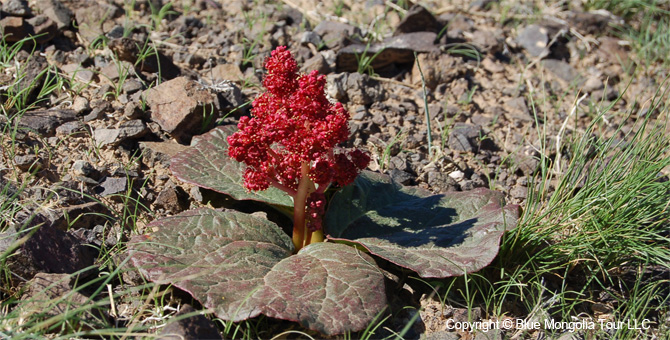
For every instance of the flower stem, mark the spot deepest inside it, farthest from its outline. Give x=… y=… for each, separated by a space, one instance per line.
x=299 y=201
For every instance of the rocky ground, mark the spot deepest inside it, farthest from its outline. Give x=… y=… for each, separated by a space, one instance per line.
x=131 y=84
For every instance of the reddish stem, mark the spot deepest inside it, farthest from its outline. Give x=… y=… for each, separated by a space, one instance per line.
x=299 y=202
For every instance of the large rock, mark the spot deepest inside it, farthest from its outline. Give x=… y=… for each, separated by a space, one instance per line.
x=55 y=251
x=179 y=106
x=44 y=122
x=394 y=50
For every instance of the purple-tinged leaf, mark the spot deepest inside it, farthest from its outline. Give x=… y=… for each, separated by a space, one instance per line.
x=218 y=257
x=240 y=266
x=331 y=288
x=435 y=235
x=207 y=164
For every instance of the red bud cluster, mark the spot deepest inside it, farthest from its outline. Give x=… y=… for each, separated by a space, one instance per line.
x=291 y=124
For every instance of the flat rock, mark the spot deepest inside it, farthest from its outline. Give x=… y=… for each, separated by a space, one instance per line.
x=562 y=70
x=76 y=71
x=190 y=328
x=417 y=19
x=394 y=50
x=534 y=39
x=128 y=130
x=111 y=186
x=57 y=12
x=517 y=109
x=334 y=34
x=465 y=137
x=44 y=122
x=160 y=151
x=179 y=105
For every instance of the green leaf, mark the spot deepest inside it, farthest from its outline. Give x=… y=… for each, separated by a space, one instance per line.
x=331 y=288
x=207 y=164
x=240 y=266
x=434 y=235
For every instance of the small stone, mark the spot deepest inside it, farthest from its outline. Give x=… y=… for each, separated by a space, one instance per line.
x=593 y=84
x=81 y=106
x=394 y=50
x=401 y=177
x=17 y=8
x=112 y=185
x=561 y=69
x=310 y=37
x=160 y=151
x=517 y=109
x=43 y=28
x=519 y=192
x=457 y=175
x=28 y=163
x=443 y=182
x=171 y=199
x=57 y=12
x=334 y=34
x=131 y=86
x=76 y=71
x=98 y=111
x=417 y=19
x=534 y=39
x=82 y=168
x=56 y=251
x=318 y=63
x=70 y=129
x=230 y=72
x=132 y=111
x=465 y=137
x=492 y=66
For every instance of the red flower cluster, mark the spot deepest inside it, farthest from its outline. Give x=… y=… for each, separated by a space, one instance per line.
x=292 y=124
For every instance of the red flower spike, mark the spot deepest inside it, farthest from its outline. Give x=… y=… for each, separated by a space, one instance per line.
x=293 y=125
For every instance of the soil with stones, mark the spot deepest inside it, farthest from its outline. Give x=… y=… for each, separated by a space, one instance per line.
x=91 y=158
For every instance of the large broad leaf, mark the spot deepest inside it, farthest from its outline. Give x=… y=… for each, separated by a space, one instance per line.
x=240 y=265
x=207 y=164
x=218 y=257
x=434 y=235
x=327 y=287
